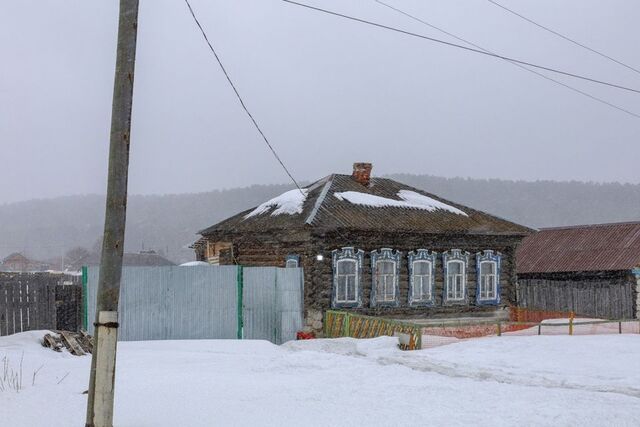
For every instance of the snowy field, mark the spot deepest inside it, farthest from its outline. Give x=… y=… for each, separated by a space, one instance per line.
x=509 y=380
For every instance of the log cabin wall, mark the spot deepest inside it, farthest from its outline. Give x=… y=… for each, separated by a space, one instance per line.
x=272 y=249
x=319 y=276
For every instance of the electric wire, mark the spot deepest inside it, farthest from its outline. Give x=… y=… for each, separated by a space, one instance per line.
x=446 y=43
x=577 y=43
x=244 y=107
x=204 y=34
x=415 y=18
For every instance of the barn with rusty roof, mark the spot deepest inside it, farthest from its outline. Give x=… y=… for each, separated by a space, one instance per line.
x=593 y=270
x=376 y=246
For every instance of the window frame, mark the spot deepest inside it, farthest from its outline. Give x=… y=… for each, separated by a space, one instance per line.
x=422 y=255
x=347 y=254
x=385 y=255
x=488 y=256
x=290 y=258
x=449 y=257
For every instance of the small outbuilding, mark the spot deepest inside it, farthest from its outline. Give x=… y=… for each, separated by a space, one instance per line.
x=592 y=270
x=376 y=246
x=129 y=259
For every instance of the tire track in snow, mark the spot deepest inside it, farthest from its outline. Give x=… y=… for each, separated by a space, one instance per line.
x=454 y=370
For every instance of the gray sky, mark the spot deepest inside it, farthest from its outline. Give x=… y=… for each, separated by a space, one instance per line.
x=327 y=92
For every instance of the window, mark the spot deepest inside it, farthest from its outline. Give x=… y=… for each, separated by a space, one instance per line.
x=487 y=280
x=421 y=277
x=347 y=272
x=422 y=267
x=488 y=266
x=455 y=280
x=385 y=265
x=292 y=261
x=455 y=264
x=346 y=280
x=385 y=280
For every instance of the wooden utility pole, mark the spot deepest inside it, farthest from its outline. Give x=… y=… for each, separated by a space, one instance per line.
x=103 y=363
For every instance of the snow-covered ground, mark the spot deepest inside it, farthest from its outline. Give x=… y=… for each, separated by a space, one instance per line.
x=508 y=380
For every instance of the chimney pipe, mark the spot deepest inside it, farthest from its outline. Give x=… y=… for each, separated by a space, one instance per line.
x=362 y=173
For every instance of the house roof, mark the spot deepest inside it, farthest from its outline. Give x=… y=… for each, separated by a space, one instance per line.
x=16 y=256
x=598 y=247
x=128 y=259
x=340 y=202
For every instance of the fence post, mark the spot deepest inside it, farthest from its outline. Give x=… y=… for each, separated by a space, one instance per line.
x=499 y=329
x=85 y=297
x=571 y=323
x=620 y=327
x=240 y=303
x=539 y=328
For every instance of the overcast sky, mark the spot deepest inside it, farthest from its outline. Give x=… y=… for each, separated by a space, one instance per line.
x=326 y=91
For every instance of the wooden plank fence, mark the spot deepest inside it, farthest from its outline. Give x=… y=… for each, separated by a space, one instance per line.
x=605 y=299
x=28 y=302
x=26 y=307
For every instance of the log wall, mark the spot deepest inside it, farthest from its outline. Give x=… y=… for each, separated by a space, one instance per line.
x=271 y=249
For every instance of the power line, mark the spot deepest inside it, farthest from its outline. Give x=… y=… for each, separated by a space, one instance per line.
x=531 y=21
x=511 y=62
x=255 y=124
x=204 y=34
x=446 y=43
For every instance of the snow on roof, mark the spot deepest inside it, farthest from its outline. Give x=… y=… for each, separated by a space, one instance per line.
x=409 y=199
x=289 y=203
x=195 y=264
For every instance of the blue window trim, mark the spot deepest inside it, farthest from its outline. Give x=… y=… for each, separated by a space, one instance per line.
x=358 y=257
x=455 y=255
x=387 y=255
x=292 y=257
x=422 y=255
x=488 y=255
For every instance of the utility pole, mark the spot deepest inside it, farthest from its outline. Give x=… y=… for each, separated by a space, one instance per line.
x=103 y=362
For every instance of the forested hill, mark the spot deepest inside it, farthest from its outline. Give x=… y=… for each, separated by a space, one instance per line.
x=48 y=228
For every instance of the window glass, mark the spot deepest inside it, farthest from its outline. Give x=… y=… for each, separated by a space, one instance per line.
x=385 y=280
x=488 y=280
x=488 y=268
x=346 y=266
x=455 y=280
x=346 y=281
x=421 y=280
x=455 y=267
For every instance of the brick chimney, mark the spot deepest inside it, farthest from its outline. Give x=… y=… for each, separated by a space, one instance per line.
x=362 y=173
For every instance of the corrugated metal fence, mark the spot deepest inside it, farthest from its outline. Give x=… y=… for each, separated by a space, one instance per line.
x=214 y=302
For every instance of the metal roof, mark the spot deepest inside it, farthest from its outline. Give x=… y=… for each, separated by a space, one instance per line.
x=323 y=210
x=597 y=247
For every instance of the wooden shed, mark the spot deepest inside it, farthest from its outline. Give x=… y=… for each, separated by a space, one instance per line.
x=593 y=270
x=376 y=246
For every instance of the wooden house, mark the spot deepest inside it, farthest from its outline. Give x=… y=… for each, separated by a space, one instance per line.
x=376 y=246
x=592 y=270
x=16 y=262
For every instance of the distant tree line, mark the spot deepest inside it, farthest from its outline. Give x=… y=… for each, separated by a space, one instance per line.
x=48 y=229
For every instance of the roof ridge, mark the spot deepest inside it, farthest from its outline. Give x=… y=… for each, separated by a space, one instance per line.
x=320 y=199
x=598 y=225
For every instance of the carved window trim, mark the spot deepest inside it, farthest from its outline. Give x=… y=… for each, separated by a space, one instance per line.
x=347 y=254
x=488 y=256
x=422 y=255
x=292 y=261
x=385 y=255
x=457 y=256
